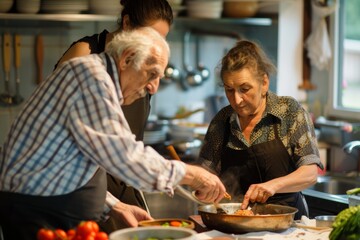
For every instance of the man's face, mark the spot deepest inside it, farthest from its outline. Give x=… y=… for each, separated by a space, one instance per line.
x=135 y=84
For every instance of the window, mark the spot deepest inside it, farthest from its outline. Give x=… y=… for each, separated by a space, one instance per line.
x=345 y=90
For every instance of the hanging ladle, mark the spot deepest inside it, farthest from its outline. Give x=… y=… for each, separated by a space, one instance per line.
x=204 y=71
x=192 y=77
x=171 y=74
x=6 y=98
x=17 y=99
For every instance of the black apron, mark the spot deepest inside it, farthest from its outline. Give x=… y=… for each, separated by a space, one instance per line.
x=260 y=163
x=21 y=216
x=127 y=194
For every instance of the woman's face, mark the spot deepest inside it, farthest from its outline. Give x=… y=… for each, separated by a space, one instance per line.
x=161 y=27
x=246 y=94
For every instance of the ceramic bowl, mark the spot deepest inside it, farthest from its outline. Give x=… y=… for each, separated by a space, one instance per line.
x=240 y=8
x=5 y=5
x=27 y=6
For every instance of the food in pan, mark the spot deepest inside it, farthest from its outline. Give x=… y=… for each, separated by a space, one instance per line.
x=244 y=212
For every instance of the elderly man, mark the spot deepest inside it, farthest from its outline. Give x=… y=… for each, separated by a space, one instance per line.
x=72 y=130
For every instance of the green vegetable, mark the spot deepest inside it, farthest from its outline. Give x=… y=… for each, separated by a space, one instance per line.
x=353 y=191
x=347 y=224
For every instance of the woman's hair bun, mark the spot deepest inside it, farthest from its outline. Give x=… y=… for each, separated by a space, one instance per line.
x=123 y=2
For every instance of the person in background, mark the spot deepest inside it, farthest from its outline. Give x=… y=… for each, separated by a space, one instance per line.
x=136 y=14
x=72 y=131
x=263 y=142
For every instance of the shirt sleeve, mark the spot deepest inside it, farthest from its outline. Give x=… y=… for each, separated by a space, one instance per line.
x=303 y=139
x=103 y=135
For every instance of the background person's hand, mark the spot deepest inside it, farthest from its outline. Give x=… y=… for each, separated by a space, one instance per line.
x=208 y=186
x=129 y=214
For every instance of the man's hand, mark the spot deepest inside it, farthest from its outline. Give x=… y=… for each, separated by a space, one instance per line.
x=208 y=186
x=129 y=214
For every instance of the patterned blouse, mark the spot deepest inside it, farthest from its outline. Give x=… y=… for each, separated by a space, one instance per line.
x=294 y=125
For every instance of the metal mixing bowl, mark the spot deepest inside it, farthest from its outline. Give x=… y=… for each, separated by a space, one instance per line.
x=142 y=233
x=325 y=221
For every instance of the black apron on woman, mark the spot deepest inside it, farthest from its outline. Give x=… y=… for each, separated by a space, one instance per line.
x=260 y=163
x=21 y=216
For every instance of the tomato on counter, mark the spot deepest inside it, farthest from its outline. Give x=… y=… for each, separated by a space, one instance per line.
x=86 y=230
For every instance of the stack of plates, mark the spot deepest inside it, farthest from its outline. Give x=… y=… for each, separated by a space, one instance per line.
x=106 y=7
x=153 y=137
x=64 y=6
x=204 y=8
x=5 y=5
x=176 y=6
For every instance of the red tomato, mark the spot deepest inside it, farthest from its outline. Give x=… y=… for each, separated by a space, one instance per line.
x=71 y=233
x=89 y=237
x=95 y=226
x=60 y=234
x=101 y=236
x=85 y=229
x=45 y=234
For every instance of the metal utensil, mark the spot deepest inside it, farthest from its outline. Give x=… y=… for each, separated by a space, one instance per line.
x=204 y=71
x=171 y=74
x=17 y=99
x=6 y=98
x=192 y=77
x=183 y=192
x=254 y=208
x=219 y=209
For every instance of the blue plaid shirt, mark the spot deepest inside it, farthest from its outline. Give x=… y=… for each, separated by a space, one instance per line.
x=72 y=125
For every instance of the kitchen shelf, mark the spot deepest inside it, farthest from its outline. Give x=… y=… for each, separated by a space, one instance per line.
x=58 y=17
x=262 y=21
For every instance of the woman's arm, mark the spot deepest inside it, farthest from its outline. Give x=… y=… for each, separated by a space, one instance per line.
x=77 y=50
x=302 y=178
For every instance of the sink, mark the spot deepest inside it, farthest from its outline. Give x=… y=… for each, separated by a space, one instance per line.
x=337 y=185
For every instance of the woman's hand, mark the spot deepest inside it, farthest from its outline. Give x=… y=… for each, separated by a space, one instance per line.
x=300 y=179
x=257 y=193
x=129 y=214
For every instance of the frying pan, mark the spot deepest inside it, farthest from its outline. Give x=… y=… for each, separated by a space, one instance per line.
x=269 y=217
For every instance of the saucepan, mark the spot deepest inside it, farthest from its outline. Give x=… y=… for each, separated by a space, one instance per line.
x=268 y=217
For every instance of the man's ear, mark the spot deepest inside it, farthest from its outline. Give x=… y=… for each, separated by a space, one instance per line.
x=125 y=59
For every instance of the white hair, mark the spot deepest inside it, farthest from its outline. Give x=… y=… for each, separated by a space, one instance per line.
x=142 y=42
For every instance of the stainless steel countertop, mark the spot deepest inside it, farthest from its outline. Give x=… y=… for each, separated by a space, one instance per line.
x=331 y=197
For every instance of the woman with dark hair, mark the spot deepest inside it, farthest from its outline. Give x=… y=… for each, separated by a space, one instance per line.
x=135 y=14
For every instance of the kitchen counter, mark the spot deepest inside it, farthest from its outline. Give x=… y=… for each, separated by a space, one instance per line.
x=291 y=233
x=321 y=203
